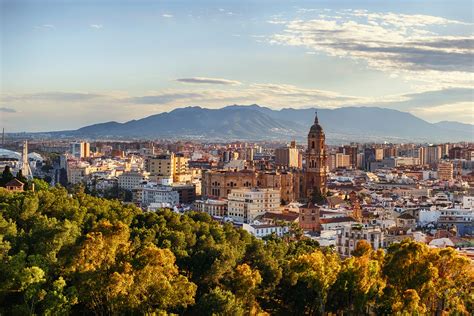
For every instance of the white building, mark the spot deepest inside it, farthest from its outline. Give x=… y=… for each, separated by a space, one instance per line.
x=246 y=204
x=212 y=207
x=428 y=216
x=350 y=235
x=154 y=193
x=262 y=230
x=132 y=179
x=78 y=172
x=468 y=202
x=462 y=219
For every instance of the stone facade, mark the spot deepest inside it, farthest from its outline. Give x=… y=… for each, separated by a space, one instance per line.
x=315 y=156
x=218 y=184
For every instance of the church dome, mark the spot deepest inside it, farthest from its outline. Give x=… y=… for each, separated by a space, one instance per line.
x=316 y=128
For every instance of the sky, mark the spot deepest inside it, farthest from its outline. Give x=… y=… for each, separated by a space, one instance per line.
x=67 y=64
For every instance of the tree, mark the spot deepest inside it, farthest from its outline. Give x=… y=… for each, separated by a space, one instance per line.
x=219 y=302
x=40 y=185
x=409 y=304
x=7 y=176
x=157 y=284
x=362 y=248
x=455 y=277
x=72 y=253
x=408 y=265
x=244 y=283
x=359 y=282
x=317 y=197
x=308 y=279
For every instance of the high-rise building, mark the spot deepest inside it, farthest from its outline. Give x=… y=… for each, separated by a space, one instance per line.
x=352 y=151
x=170 y=167
x=456 y=153
x=287 y=156
x=432 y=154
x=369 y=157
x=379 y=154
x=445 y=170
x=339 y=160
x=315 y=156
x=249 y=151
x=80 y=150
x=343 y=161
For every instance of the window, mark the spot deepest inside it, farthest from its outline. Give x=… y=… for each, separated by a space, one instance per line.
x=312 y=144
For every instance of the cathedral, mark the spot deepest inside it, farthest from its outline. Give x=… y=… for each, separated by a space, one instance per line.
x=314 y=178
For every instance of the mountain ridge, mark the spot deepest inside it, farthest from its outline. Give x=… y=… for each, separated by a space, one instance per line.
x=255 y=122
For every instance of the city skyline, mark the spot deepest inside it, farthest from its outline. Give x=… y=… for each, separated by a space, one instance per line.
x=68 y=65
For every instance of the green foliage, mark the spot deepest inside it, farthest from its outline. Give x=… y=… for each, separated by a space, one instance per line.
x=63 y=253
x=7 y=176
x=40 y=185
x=317 y=197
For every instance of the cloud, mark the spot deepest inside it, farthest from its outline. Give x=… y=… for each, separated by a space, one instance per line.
x=96 y=26
x=7 y=110
x=205 y=80
x=163 y=98
x=51 y=96
x=293 y=94
x=398 y=44
x=461 y=112
x=45 y=27
x=166 y=15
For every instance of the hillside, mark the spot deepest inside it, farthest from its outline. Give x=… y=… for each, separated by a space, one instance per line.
x=67 y=253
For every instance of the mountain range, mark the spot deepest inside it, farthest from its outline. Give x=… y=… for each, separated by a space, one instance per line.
x=254 y=122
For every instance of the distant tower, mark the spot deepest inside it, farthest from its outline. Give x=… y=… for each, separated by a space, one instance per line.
x=356 y=208
x=315 y=171
x=3 y=137
x=25 y=165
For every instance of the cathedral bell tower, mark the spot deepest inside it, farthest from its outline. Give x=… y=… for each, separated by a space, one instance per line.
x=315 y=171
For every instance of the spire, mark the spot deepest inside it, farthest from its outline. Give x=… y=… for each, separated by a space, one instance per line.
x=316 y=117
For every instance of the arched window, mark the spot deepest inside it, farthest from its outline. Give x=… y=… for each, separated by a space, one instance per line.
x=312 y=144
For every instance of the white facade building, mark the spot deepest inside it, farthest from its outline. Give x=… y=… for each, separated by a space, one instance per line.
x=244 y=205
x=468 y=202
x=78 y=172
x=428 y=216
x=350 y=235
x=154 y=193
x=262 y=230
x=462 y=219
x=132 y=179
x=212 y=207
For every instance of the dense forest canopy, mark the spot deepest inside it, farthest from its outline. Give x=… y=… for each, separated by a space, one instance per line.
x=63 y=253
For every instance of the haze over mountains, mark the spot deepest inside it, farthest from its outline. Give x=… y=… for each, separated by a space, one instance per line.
x=260 y=123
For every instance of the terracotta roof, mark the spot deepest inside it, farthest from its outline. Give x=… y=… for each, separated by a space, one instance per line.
x=337 y=220
x=14 y=183
x=406 y=216
x=335 y=200
x=281 y=216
